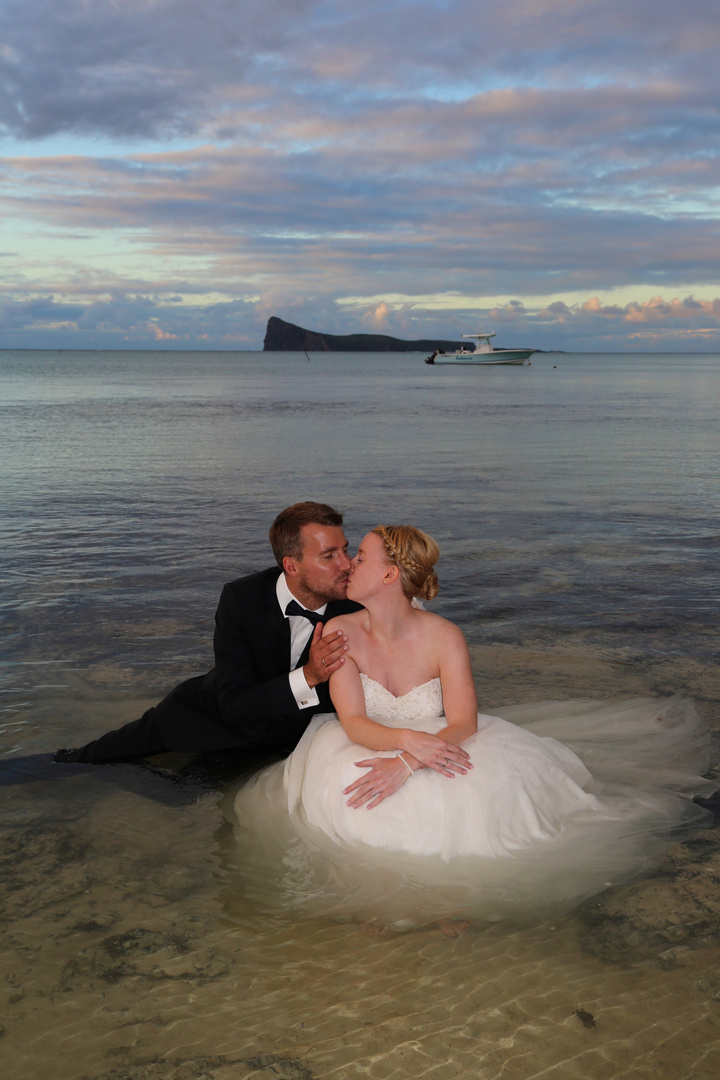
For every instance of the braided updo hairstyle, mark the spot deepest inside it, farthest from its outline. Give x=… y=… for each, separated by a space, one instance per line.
x=415 y=554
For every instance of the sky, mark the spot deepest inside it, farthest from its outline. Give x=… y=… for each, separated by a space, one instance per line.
x=174 y=172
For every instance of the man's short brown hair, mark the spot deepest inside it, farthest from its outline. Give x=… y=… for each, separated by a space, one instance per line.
x=285 y=538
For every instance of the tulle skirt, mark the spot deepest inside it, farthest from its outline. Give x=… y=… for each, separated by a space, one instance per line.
x=564 y=800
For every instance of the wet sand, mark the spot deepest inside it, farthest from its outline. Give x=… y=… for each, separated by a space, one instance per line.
x=127 y=954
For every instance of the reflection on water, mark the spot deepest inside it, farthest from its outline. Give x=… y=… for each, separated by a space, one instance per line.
x=577 y=512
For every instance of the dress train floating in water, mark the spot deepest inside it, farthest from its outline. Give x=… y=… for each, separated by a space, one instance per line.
x=565 y=799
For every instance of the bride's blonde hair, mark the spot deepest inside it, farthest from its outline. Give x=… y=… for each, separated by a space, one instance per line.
x=415 y=554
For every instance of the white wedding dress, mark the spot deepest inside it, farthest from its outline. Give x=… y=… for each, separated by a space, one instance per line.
x=534 y=827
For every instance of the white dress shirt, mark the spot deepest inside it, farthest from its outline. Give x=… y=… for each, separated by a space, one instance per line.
x=300 y=632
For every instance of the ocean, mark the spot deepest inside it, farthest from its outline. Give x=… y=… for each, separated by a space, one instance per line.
x=575 y=502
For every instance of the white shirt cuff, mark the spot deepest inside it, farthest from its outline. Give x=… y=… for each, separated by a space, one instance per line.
x=304 y=695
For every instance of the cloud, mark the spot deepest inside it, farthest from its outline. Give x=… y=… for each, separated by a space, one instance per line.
x=655 y=311
x=288 y=153
x=177 y=67
x=144 y=321
x=127 y=319
x=261 y=220
x=666 y=324
x=376 y=319
x=686 y=311
x=141 y=67
x=512 y=311
x=40 y=311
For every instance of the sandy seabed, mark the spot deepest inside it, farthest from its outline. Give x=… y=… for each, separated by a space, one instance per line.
x=126 y=953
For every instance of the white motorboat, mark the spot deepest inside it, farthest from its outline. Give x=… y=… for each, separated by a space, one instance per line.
x=483 y=353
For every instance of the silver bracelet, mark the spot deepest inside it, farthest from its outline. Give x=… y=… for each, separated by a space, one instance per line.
x=412 y=771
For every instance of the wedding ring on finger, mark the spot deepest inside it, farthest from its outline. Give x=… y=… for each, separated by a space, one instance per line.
x=323 y=662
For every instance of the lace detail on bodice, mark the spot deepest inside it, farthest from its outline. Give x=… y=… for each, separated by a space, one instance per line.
x=423 y=700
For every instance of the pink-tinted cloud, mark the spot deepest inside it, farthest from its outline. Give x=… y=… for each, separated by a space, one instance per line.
x=301 y=151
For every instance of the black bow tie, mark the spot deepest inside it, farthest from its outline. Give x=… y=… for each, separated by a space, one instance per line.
x=294 y=608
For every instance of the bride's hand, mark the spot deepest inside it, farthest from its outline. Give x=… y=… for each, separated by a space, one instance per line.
x=444 y=757
x=385 y=777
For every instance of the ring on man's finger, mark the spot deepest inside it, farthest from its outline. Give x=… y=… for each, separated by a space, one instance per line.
x=323 y=662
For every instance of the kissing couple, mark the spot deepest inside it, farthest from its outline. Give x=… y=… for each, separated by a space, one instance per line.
x=335 y=662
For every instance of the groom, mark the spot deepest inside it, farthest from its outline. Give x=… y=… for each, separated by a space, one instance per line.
x=272 y=664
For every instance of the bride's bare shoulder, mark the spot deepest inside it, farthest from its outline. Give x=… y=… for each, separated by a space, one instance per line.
x=355 y=620
x=442 y=629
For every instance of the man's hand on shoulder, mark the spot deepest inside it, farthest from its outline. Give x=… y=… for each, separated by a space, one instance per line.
x=327 y=654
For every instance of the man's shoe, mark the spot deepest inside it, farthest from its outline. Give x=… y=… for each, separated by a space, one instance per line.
x=65 y=755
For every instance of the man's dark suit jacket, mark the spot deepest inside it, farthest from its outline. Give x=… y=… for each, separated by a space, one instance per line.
x=248 y=690
x=244 y=703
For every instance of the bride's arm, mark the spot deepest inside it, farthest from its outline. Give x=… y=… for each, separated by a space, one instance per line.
x=459 y=696
x=458 y=687
x=349 y=700
x=386 y=775
x=348 y=697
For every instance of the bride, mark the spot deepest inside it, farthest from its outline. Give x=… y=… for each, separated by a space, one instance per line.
x=408 y=804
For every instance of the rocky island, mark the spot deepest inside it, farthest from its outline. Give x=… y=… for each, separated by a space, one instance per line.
x=282 y=336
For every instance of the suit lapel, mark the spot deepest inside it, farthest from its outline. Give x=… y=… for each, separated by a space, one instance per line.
x=304 y=655
x=277 y=629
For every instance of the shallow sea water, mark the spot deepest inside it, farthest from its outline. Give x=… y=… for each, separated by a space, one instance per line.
x=576 y=508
